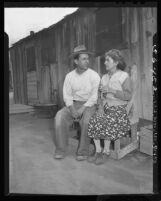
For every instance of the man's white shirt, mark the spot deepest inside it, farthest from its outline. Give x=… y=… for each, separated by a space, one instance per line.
x=81 y=87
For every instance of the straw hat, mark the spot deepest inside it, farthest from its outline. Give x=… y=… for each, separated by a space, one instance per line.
x=81 y=49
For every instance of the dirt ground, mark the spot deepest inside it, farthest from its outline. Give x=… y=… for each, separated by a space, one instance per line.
x=33 y=170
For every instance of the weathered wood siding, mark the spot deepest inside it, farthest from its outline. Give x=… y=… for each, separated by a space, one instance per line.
x=53 y=48
x=139 y=26
x=132 y=33
x=19 y=75
x=32 y=87
x=77 y=30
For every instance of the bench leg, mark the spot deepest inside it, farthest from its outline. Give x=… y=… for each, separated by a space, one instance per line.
x=134 y=132
x=117 y=145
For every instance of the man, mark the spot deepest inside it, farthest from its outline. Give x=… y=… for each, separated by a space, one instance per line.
x=80 y=93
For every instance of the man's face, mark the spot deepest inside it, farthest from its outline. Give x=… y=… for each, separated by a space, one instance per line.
x=83 y=61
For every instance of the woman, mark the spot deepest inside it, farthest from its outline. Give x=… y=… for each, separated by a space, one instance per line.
x=111 y=122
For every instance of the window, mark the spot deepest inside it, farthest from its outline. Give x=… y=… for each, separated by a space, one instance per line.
x=48 y=55
x=31 y=63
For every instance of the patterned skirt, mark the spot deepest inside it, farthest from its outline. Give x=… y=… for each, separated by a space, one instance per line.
x=111 y=125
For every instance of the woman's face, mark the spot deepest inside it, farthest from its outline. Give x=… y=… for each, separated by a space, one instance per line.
x=110 y=63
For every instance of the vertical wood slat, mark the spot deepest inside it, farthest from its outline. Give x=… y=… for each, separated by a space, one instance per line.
x=24 y=70
x=38 y=67
x=31 y=88
x=54 y=83
x=17 y=76
x=14 y=73
x=47 y=89
x=11 y=70
x=21 y=75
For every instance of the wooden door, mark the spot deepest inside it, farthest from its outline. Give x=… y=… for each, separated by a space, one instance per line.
x=32 y=88
x=31 y=76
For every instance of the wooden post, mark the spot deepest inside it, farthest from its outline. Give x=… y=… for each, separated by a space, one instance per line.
x=117 y=145
x=134 y=132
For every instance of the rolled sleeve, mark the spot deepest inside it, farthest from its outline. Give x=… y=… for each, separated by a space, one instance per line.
x=126 y=93
x=67 y=92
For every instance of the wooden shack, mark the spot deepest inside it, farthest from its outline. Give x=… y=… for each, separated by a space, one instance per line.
x=41 y=60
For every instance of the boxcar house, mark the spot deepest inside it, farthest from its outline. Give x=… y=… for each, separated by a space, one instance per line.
x=41 y=60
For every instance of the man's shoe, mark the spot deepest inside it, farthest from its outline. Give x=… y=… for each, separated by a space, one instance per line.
x=81 y=157
x=59 y=155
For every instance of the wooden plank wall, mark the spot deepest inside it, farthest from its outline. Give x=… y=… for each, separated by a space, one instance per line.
x=32 y=87
x=54 y=83
x=139 y=26
x=12 y=58
x=19 y=74
x=75 y=31
x=16 y=74
x=61 y=40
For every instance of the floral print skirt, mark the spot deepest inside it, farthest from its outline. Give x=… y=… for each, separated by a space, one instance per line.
x=111 y=125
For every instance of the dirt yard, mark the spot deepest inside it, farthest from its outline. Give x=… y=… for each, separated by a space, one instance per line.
x=33 y=170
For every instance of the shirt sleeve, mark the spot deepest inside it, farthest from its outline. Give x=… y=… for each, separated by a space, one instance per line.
x=94 y=93
x=67 y=92
x=126 y=92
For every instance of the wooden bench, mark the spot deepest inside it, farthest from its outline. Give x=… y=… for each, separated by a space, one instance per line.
x=125 y=145
x=131 y=141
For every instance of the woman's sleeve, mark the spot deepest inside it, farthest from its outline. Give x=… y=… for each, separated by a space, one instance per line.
x=126 y=92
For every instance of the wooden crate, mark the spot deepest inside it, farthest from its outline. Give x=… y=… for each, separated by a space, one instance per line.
x=146 y=146
x=146 y=140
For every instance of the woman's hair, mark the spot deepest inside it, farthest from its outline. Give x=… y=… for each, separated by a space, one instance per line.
x=117 y=57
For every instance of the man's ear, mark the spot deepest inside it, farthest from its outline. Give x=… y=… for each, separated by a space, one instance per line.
x=76 y=61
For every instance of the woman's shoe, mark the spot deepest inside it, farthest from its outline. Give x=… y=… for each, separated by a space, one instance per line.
x=106 y=153
x=100 y=159
x=92 y=158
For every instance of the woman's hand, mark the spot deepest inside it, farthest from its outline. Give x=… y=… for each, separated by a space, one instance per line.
x=107 y=89
x=111 y=90
x=104 y=89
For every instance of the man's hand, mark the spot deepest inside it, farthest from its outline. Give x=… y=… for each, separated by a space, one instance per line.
x=81 y=110
x=74 y=112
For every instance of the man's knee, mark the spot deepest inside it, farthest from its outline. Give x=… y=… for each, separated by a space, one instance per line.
x=61 y=115
x=87 y=116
